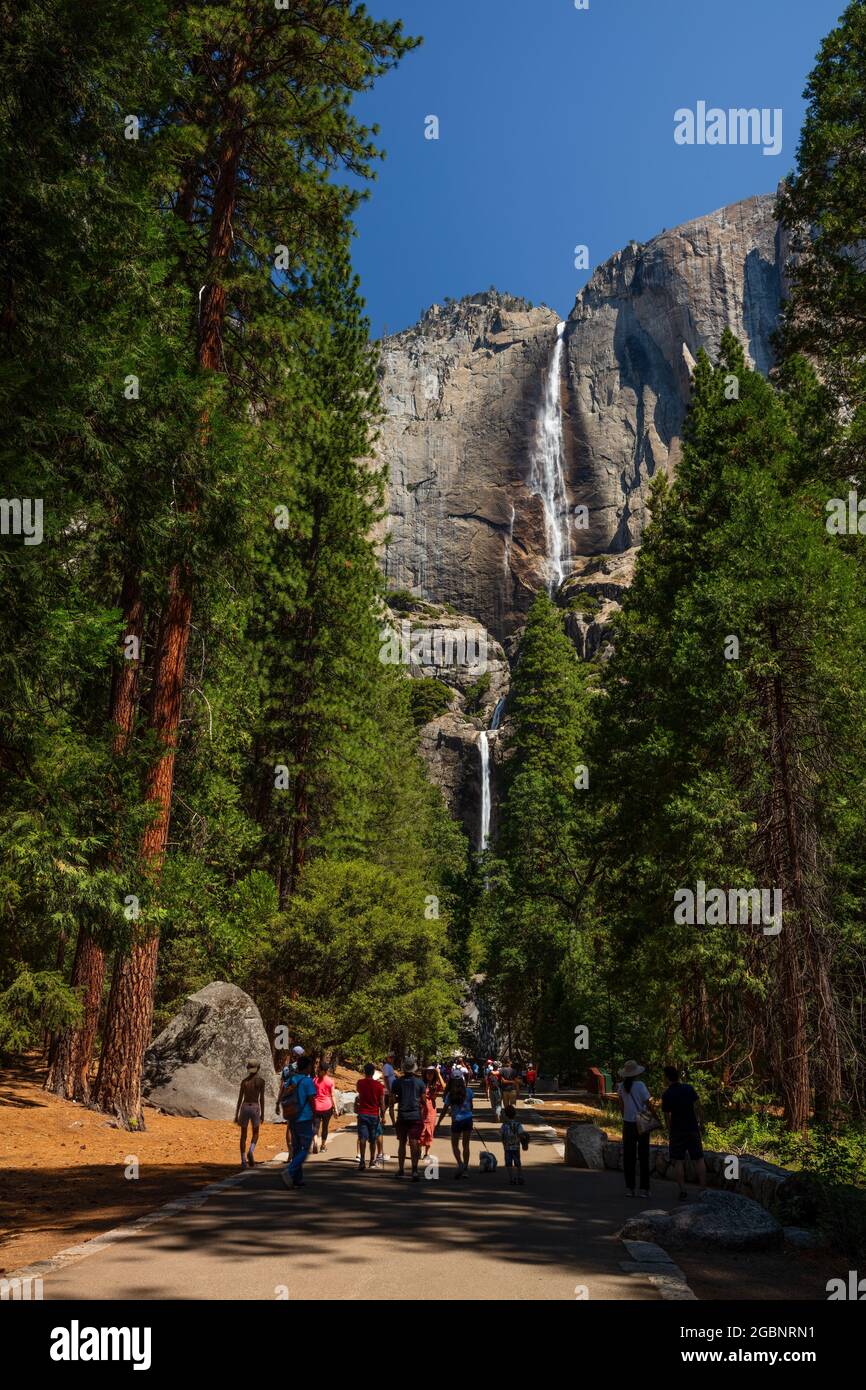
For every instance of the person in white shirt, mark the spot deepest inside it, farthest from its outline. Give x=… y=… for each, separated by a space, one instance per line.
x=460 y=1069
x=634 y=1099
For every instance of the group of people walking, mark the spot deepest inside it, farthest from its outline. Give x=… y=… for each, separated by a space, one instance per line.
x=410 y=1099
x=411 y=1102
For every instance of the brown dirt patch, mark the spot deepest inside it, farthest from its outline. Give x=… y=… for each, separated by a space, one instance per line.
x=562 y=1113
x=62 y=1167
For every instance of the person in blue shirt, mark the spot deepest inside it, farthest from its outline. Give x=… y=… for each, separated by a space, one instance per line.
x=287 y=1077
x=458 y=1100
x=298 y=1094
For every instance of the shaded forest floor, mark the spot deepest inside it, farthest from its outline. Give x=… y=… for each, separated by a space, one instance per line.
x=62 y=1166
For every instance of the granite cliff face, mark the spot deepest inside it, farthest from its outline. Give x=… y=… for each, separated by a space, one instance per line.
x=461 y=391
x=464 y=389
x=632 y=337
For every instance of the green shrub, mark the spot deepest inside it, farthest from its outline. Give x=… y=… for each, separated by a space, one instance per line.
x=476 y=692
x=36 y=1002
x=586 y=604
x=401 y=600
x=429 y=698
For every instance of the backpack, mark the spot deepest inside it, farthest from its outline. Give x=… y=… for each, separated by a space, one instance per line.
x=292 y=1107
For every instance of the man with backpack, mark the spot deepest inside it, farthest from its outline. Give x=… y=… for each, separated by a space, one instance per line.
x=682 y=1111
x=409 y=1092
x=296 y=1097
x=287 y=1075
x=494 y=1089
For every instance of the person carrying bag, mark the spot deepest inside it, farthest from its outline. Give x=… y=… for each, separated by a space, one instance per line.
x=638 y=1121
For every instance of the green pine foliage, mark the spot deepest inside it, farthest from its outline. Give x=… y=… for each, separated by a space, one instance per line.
x=823 y=205
x=541 y=867
x=252 y=481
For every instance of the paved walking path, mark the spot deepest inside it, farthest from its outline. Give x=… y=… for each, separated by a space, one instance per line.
x=351 y=1235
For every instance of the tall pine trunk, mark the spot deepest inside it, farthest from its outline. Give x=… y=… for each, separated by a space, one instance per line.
x=69 y=1072
x=130 y=1005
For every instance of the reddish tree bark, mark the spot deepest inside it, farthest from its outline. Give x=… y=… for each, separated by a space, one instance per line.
x=130 y=1005
x=69 y=1072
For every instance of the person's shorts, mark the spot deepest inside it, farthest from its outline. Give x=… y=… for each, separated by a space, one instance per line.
x=409 y=1129
x=683 y=1144
x=512 y=1158
x=368 y=1128
x=509 y=1096
x=461 y=1126
x=250 y=1114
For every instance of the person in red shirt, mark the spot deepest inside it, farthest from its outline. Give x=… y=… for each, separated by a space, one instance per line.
x=531 y=1078
x=370 y=1109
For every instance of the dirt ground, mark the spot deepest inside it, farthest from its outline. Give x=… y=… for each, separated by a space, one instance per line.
x=63 y=1167
x=562 y=1113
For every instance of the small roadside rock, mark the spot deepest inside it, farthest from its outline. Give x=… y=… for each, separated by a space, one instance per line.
x=722 y=1220
x=802 y=1239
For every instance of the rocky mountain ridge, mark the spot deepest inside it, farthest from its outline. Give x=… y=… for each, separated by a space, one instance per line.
x=462 y=390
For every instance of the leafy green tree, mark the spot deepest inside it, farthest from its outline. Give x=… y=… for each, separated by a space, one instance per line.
x=358 y=966
x=264 y=121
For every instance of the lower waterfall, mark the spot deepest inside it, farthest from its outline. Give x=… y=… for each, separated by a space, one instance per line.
x=486 y=795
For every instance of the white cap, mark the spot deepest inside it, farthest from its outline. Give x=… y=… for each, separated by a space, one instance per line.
x=298 y=1051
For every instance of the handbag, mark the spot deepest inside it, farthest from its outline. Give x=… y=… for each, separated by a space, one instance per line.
x=646 y=1122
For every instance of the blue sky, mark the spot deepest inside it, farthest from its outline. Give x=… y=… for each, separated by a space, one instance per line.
x=557 y=129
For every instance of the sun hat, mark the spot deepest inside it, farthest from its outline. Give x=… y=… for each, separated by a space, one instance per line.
x=409 y=1064
x=298 y=1050
x=631 y=1068
x=253 y=1066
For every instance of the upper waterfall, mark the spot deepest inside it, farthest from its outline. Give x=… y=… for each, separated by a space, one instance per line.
x=547 y=475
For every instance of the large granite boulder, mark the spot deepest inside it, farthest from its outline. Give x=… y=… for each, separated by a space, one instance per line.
x=196 y=1064
x=344 y=1102
x=720 y=1220
x=584 y=1147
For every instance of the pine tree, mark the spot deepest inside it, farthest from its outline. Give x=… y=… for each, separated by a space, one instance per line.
x=264 y=122
x=541 y=871
x=83 y=301
x=824 y=207
x=738 y=771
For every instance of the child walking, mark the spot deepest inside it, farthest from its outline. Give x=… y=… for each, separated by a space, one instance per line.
x=513 y=1140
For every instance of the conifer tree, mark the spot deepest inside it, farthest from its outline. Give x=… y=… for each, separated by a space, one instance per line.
x=823 y=205
x=727 y=744
x=265 y=120
x=540 y=874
